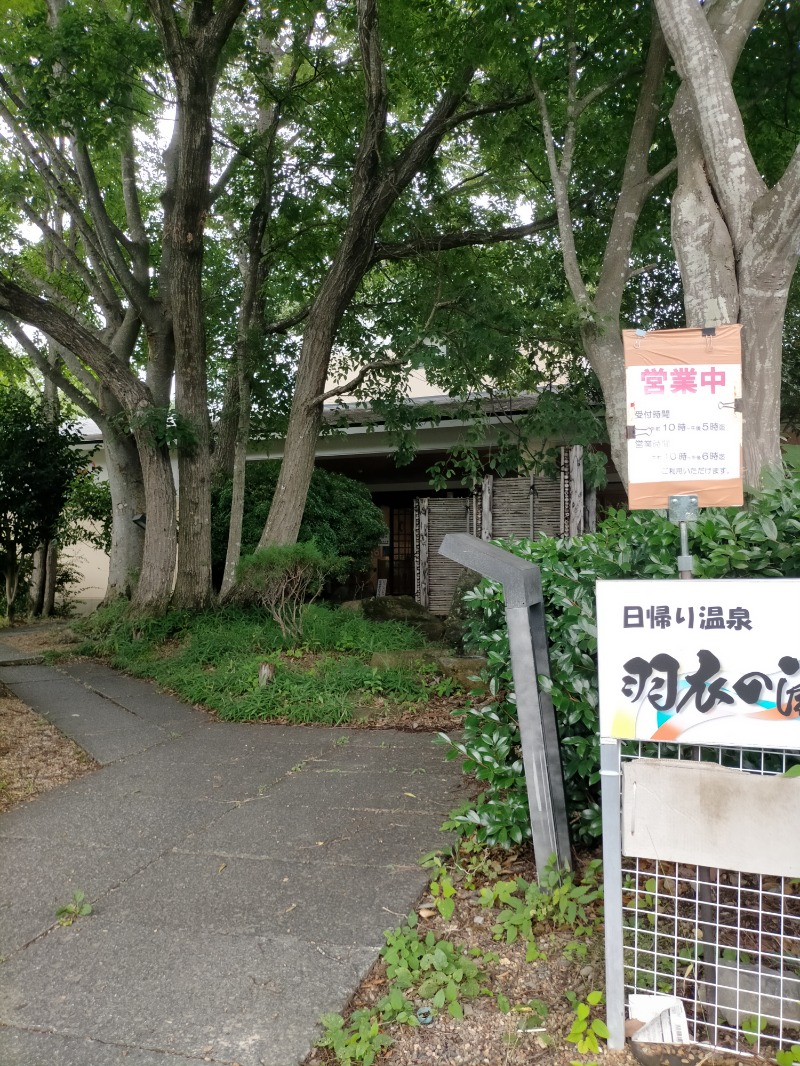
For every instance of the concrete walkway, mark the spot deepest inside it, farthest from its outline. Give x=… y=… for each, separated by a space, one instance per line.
x=241 y=877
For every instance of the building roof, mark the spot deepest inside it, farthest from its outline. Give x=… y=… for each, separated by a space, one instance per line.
x=445 y=408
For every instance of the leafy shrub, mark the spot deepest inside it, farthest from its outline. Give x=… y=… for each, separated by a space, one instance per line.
x=339 y=515
x=38 y=461
x=282 y=578
x=759 y=542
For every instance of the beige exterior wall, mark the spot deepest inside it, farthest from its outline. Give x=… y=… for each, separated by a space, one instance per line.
x=92 y=565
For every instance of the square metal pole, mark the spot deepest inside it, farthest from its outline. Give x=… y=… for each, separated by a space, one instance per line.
x=527 y=639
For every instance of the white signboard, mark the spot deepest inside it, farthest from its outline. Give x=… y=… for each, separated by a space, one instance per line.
x=684 y=421
x=700 y=662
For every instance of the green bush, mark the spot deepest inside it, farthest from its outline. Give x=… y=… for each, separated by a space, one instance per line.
x=283 y=578
x=339 y=515
x=759 y=542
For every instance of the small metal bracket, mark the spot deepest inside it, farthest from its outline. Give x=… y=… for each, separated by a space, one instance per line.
x=709 y=331
x=630 y=432
x=683 y=509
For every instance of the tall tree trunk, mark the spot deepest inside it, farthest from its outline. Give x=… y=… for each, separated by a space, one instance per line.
x=376 y=188
x=765 y=276
x=297 y=466
x=50 y=580
x=36 y=598
x=126 y=481
x=154 y=587
x=184 y=234
x=11 y=574
x=249 y=332
x=305 y=417
x=227 y=430
x=234 y=548
x=45 y=560
x=193 y=48
x=604 y=352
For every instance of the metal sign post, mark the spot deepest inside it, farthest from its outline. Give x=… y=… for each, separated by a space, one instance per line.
x=527 y=637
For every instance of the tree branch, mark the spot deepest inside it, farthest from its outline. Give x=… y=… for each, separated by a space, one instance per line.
x=781 y=205
x=54 y=295
x=105 y=231
x=637 y=184
x=219 y=186
x=368 y=159
x=563 y=210
x=111 y=308
x=284 y=324
x=635 y=272
x=493 y=107
x=219 y=27
x=70 y=390
x=167 y=22
x=130 y=392
x=661 y=175
x=353 y=383
x=445 y=241
x=57 y=186
x=139 y=244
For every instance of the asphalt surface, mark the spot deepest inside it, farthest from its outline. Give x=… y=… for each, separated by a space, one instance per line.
x=241 y=876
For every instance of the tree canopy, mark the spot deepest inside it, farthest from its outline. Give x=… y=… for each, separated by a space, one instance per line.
x=265 y=197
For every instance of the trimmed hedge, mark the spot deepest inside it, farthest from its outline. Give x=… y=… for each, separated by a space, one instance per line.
x=762 y=541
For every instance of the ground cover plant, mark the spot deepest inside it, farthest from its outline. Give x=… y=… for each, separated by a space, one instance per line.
x=761 y=541
x=510 y=971
x=214 y=658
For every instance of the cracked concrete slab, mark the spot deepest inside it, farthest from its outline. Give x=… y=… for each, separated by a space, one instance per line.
x=241 y=877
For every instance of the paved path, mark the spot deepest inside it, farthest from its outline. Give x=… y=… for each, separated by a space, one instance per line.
x=241 y=877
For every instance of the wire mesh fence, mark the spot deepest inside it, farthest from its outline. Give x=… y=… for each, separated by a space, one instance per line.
x=726 y=942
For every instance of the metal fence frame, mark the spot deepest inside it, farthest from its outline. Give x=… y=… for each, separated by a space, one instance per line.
x=726 y=942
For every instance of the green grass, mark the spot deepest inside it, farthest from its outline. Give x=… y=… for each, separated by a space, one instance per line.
x=213 y=658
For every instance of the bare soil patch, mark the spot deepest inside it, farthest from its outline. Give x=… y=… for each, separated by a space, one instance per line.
x=34 y=755
x=39 y=638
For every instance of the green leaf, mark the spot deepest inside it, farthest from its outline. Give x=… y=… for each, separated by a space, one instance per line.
x=446 y=907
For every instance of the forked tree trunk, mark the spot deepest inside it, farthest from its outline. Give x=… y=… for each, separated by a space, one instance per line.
x=193 y=46
x=735 y=239
x=601 y=337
